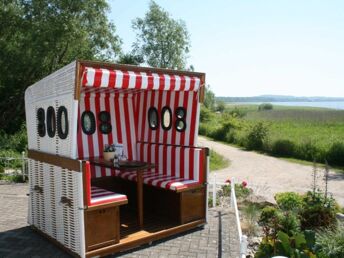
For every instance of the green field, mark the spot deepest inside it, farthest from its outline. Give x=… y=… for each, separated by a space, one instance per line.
x=297 y=132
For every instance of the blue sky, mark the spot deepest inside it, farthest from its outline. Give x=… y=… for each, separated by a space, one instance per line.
x=250 y=48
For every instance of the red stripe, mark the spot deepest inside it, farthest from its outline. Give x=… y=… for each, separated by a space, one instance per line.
x=125 y=81
x=192 y=83
x=157 y=134
x=88 y=183
x=79 y=135
x=138 y=80
x=161 y=82
x=150 y=81
x=150 y=131
x=127 y=126
x=97 y=77
x=84 y=77
x=191 y=164
x=168 y=99
x=112 y=79
x=182 y=83
x=172 y=82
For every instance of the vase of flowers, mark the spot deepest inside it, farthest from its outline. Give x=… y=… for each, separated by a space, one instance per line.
x=109 y=152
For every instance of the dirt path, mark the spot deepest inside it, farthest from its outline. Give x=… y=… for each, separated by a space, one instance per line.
x=269 y=175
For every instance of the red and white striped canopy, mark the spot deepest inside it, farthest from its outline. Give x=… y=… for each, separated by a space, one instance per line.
x=119 y=79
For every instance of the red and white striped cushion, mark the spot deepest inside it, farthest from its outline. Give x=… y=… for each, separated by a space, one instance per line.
x=100 y=196
x=160 y=180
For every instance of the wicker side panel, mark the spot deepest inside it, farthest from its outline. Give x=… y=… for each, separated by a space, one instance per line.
x=37 y=202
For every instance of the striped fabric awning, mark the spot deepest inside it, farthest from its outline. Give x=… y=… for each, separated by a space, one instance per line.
x=119 y=79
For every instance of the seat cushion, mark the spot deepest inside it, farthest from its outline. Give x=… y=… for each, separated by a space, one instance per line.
x=161 y=180
x=100 y=196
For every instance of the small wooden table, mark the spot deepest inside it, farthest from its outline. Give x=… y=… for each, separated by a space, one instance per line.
x=135 y=166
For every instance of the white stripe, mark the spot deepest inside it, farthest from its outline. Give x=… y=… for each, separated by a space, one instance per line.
x=132 y=79
x=156 y=81
x=161 y=159
x=113 y=117
x=145 y=153
x=171 y=105
x=177 y=185
x=119 y=79
x=140 y=96
x=197 y=83
x=177 y=162
x=123 y=124
x=177 y=82
x=145 y=116
x=188 y=116
x=156 y=102
x=169 y=160
x=167 y=82
x=105 y=78
x=197 y=123
x=163 y=104
x=196 y=156
x=144 y=84
x=180 y=104
x=187 y=83
x=90 y=73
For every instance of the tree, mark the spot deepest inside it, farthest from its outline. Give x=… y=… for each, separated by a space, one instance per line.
x=39 y=36
x=161 y=40
x=130 y=58
x=209 y=99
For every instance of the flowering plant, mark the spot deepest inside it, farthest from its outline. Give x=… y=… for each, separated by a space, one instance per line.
x=244 y=183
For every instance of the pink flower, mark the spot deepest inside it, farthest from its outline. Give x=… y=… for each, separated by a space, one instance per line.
x=244 y=183
x=228 y=181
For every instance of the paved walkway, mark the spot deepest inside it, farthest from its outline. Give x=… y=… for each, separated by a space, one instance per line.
x=216 y=239
x=269 y=175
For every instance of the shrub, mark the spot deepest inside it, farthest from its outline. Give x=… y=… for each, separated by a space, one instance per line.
x=284 y=148
x=307 y=151
x=265 y=106
x=289 y=223
x=318 y=211
x=289 y=201
x=335 y=155
x=330 y=243
x=268 y=220
x=205 y=114
x=256 y=137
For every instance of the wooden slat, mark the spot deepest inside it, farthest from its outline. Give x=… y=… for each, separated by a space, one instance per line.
x=54 y=159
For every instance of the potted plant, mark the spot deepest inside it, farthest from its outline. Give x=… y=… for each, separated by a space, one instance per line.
x=109 y=152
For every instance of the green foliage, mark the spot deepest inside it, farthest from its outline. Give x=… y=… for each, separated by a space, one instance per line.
x=161 y=40
x=318 y=210
x=220 y=106
x=299 y=245
x=256 y=136
x=335 y=154
x=265 y=106
x=205 y=115
x=130 y=59
x=217 y=161
x=289 y=201
x=307 y=151
x=330 y=242
x=283 y=148
x=242 y=192
x=38 y=37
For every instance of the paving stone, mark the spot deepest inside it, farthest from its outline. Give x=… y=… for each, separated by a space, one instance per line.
x=199 y=243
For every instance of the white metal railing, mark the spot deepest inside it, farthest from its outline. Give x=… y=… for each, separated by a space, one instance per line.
x=23 y=159
x=234 y=206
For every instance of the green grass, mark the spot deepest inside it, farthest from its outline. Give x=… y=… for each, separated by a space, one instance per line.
x=310 y=130
x=217 y=161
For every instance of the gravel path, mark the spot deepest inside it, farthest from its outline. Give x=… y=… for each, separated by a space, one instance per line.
x=269 y=175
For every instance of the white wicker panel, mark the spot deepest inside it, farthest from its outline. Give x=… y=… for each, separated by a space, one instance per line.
x=31 y=210
x=47 y=201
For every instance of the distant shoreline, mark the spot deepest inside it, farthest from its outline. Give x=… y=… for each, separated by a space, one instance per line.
x=337 y=105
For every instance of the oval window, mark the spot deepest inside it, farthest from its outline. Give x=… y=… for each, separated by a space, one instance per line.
x=180 y=112
x=166 y=118
x=180 y=125
x=41 y=122
x=51 y=122
x=104 y=116
x=153 y=119
x=88 y=122
x=62 y=122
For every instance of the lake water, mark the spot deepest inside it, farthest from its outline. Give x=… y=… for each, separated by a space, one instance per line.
x=322 y=104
